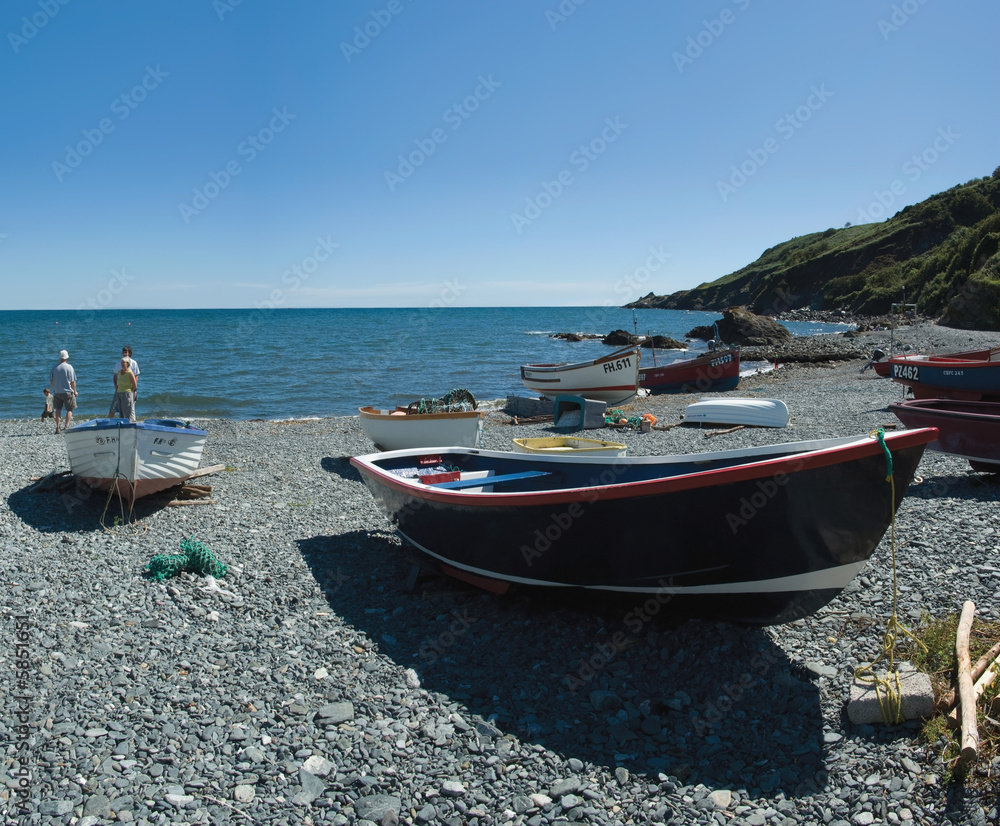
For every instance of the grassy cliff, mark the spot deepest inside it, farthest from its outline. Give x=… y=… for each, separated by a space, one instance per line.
x=943 y=254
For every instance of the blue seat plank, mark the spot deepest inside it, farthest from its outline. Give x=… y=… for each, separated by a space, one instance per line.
x=458 y=484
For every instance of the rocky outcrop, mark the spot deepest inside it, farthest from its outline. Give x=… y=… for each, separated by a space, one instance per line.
x=976 y=307
x=621 y=338
x=740 y=326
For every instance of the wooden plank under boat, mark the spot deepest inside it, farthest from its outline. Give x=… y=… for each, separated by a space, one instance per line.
x=967 y=429
x=764 y=535
x=574 y=445
x=755 y=412
x=613 y=378
x=713 y=371
x=399 y=428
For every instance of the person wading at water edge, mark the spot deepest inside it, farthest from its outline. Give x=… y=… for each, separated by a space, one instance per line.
x=115 y=409
x=62 y=380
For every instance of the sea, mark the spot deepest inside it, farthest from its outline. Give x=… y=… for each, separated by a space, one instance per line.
x=303 y=363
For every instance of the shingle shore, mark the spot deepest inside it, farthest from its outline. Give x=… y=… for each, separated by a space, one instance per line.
x=320 y=690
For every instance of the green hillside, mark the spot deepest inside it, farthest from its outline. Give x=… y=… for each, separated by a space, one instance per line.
x=941 y=254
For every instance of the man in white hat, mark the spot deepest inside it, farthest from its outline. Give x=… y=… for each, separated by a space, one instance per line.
x=62 y=380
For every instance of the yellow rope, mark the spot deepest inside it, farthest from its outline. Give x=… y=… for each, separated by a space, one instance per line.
x=888 y=689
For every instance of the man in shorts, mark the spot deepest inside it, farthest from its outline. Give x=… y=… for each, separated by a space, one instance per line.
x=62 y=380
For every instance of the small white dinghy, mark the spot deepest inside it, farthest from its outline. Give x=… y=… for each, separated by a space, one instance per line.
x=755 y=412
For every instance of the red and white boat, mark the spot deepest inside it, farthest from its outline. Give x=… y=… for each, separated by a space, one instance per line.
x=715 y=370
x=972 y=375
x=613 y=378
x=766 y=534
x=967 y=429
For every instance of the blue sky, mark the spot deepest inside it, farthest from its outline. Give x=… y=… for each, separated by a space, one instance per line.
x=170 y=154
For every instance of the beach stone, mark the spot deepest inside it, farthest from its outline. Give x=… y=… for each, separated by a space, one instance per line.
x=721 y=798
x=244 y=793
x=916 y=699
x=375 y=807
x=318 y=766
x=97 y=805
x=310 y=787
x=335 y=713
x=55 y=808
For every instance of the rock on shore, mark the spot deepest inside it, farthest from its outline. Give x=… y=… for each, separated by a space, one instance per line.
x=315 y=688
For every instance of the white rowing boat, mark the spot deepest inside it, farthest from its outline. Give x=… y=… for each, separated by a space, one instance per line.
x=755 y=412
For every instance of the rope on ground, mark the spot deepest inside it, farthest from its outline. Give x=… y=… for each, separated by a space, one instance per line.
x=124 y=522
x=888 y=689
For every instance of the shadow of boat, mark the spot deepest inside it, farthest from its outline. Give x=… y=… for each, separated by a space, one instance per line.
x=610 y=684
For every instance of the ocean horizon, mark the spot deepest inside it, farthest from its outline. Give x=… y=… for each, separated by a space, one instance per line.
x=301 y=363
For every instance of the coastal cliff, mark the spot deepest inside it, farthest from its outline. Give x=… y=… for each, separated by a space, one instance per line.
x=942 y=254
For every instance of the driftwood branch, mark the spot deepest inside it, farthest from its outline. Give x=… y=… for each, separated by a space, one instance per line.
x=176 y=503
x=966 y=690
x=949 y=698
x=724 y=432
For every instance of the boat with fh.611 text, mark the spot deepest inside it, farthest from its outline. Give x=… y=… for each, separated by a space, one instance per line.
x=613 y=378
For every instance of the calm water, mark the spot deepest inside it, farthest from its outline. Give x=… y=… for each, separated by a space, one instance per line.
x=248 y=364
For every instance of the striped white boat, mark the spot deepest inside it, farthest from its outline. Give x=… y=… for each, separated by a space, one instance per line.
x=139 y=458
x=613 y=378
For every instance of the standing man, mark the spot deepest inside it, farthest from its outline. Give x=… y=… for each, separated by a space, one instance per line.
x=62 y=380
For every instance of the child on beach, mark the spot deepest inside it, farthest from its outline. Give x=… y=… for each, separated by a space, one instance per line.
x=47 y=412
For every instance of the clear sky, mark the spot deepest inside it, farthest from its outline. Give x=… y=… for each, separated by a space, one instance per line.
x=191 y=153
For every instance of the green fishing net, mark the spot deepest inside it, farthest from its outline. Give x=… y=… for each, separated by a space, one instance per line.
x=196 y=558
x=454 y=401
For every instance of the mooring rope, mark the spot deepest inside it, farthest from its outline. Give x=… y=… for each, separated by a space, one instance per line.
x=888 y=689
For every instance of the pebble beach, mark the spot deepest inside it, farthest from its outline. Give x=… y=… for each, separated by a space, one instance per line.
x=311 y=685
